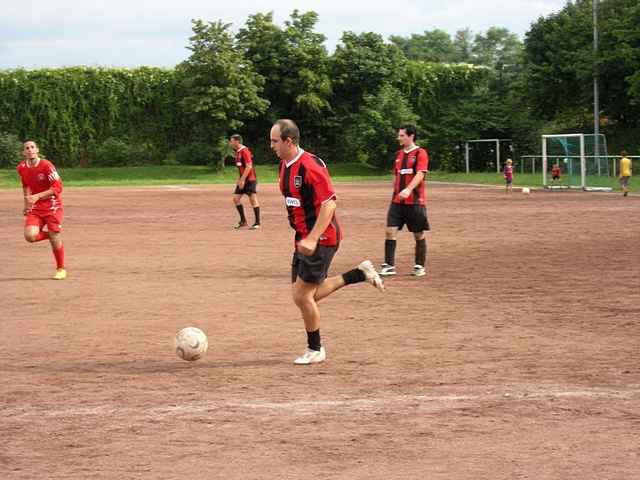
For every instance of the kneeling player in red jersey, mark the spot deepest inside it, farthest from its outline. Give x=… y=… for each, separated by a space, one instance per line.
x=42 y=189
x=310 y=201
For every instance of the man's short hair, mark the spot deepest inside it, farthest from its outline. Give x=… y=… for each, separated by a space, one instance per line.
x=410 y=129
x=237 y=137
x=288 y=129
x=624 y=153
x=27 y=140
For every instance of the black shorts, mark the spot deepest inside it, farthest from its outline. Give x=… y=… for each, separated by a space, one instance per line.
x=250 y=187
x=555 y=177
x=413 y=216
x=314 y=268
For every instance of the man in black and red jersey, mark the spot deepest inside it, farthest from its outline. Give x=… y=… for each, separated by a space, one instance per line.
x=310 y=201
x=408 y=202
x=247 y=182
x=42 y=188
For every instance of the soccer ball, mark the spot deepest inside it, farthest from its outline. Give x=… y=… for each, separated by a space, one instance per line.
x=191 y=344
x=526 y=190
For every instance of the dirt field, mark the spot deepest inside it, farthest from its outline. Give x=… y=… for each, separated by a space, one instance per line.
x=518 y=356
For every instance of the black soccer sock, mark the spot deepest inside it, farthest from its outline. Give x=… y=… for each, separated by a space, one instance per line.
x=256 y=212
x=313 y=340
x=353 y=276
x=390 y=252
x=421 y=252
x=241 y=212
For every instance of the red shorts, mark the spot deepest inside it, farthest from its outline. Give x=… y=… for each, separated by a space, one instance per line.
x=53 y=220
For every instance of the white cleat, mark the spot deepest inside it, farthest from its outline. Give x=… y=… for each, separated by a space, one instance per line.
x=371 y=275
x=418 y=271
x=387 y=270
x=311 y=356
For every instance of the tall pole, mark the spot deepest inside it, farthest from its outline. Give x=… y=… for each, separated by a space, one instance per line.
x=596 y=99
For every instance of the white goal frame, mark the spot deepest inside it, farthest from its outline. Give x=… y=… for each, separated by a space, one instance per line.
x=583 y=166
x=492 y=140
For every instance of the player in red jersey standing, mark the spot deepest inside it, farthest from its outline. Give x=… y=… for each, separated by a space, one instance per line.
x=310 y=201
x=408 y=202
x=247 y=182
x=42 y=189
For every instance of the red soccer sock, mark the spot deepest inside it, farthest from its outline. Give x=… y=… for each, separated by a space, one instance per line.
x=59 y=254
x=42 y=236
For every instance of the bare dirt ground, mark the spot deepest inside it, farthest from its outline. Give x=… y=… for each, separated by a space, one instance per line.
x=518 y=356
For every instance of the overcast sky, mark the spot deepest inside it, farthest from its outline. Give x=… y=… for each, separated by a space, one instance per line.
x=39 y=33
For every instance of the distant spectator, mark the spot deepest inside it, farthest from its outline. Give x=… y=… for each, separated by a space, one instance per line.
x=508 y=175
x=625 y=172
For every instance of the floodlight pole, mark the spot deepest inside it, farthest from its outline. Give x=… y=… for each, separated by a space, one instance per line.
x=596 y=99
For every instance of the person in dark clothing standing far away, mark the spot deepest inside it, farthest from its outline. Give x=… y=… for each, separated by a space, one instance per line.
x=310 y=201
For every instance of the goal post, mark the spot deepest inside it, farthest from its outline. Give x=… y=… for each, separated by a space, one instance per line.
x=581 y=158
x=548 y=139
x=494 y=150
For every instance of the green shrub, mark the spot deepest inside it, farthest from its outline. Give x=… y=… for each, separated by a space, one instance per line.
x=195 y=154
x=10 y=150
x=115 y=152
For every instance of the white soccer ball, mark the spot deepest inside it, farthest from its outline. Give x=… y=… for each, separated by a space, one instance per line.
x=191 y=344
x=526 y=190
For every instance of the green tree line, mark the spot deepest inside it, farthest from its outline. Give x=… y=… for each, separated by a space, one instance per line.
x=348 y=103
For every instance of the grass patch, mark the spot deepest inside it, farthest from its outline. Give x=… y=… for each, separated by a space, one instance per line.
x=185 y=175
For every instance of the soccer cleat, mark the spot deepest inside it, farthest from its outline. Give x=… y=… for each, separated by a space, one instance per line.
x=61 y=274
x=311 y=356
x=387 y=270
x=371 y=275
x=240 y=225
x=418 y=271
x=255 y=226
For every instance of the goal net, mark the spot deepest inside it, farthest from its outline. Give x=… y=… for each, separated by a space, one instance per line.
x=578 y=160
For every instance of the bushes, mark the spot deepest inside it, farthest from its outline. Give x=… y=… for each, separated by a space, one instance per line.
x=195 y=154
x=10 y=150
x=115 y=152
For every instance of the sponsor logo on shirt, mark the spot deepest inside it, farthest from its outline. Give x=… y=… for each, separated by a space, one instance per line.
x=292 y=202
x=406 y=171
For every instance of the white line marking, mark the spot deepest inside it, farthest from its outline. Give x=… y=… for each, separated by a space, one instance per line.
x=311 y=406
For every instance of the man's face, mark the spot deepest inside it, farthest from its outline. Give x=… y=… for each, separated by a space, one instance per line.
x=282 y=148
x=30 y=150
x=404 y=139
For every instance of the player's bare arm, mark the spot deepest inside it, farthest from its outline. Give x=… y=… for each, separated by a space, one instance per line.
x=243 y=178
x=308 y=245
x=404 y=194
x=30 y=200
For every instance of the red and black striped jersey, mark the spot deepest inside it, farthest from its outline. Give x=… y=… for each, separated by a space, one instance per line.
x=406 y=166
x=244 y=159
x=306 y=185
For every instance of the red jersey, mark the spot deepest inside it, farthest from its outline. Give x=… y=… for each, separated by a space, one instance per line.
x=40 y=178
x=244 y=159
x=508 y=172
x=407 y=165
x=306 y=185
x=555 y=171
